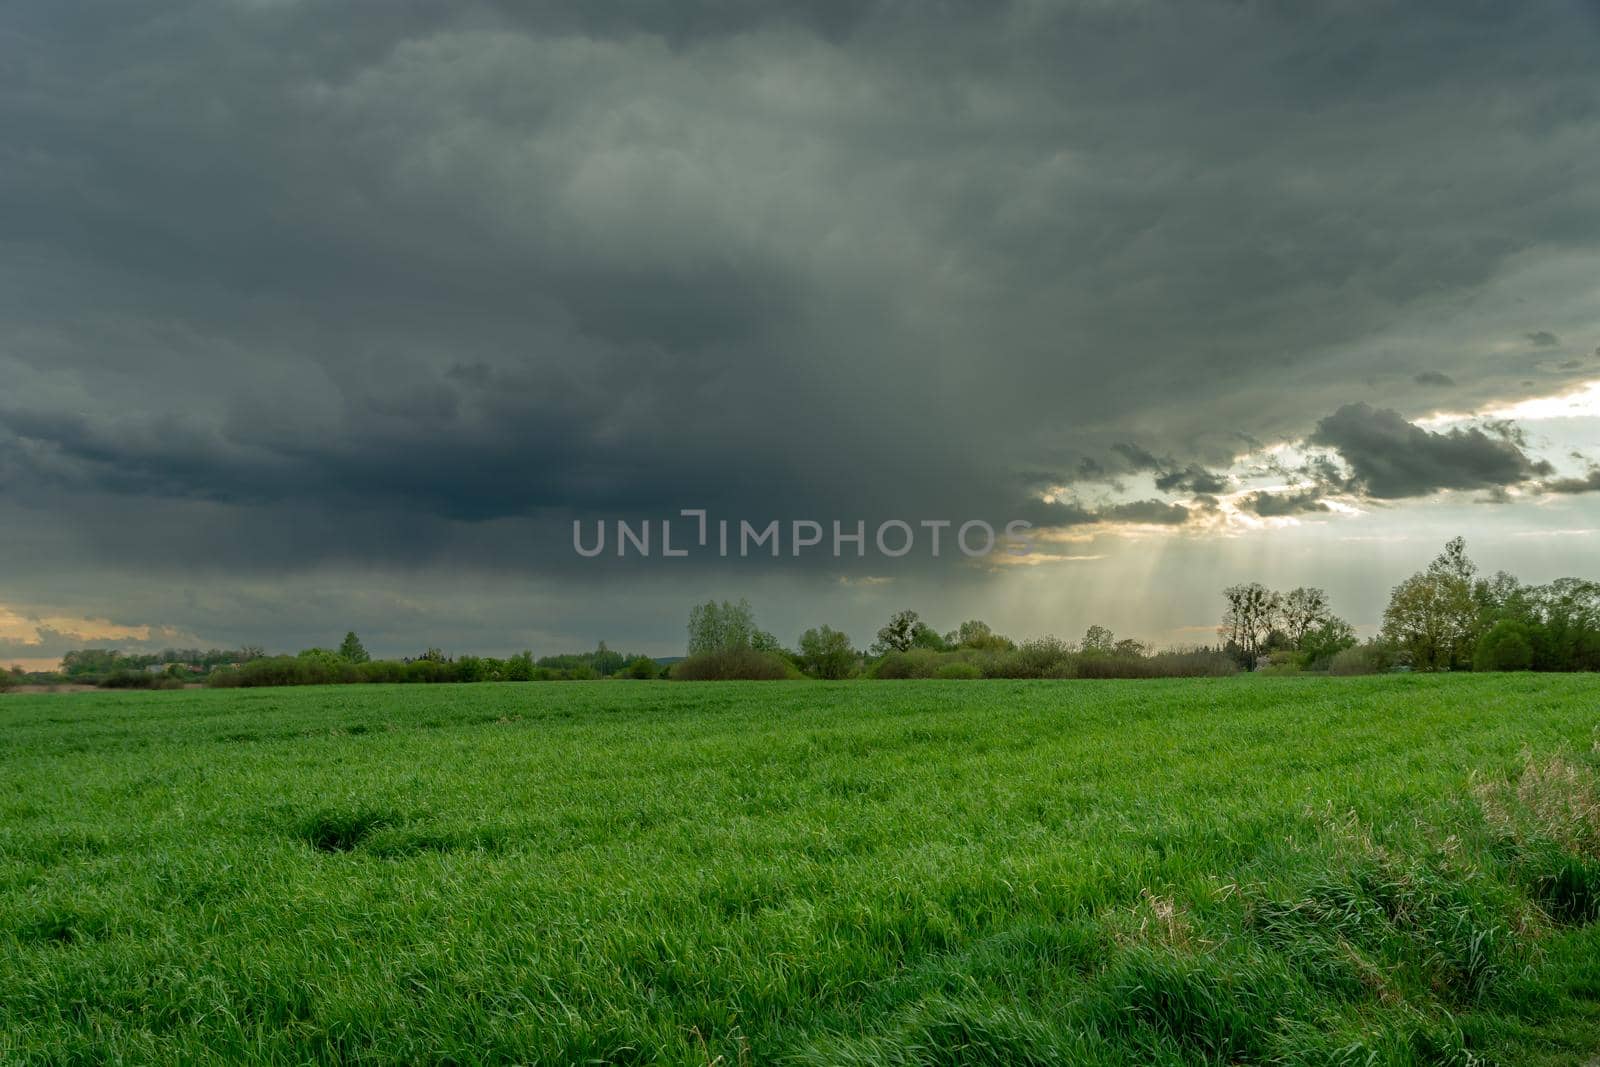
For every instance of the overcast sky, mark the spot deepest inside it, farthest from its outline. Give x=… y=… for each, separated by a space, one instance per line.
x=317 y=316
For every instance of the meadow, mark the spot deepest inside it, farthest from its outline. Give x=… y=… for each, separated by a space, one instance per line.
x=1384 y=870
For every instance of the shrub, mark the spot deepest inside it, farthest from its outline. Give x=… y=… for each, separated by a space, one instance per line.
x=913 y=663
x=139 y=680
x=1279 y=663
x=287 y=670
x=1103 y=665
x=1322 y=643
x=1042 y=657
x=826 y=653
x=428 y=670
x=382 y=670
x=1193 y=663
x=323 y=657
x=1507 y=646
x=958 y=669
x=731 y=664
x=1370 y=658
x=643 y=667
x=1177 y=663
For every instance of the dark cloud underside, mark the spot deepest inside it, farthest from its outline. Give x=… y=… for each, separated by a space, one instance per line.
x=287 y=286
x=1392 y=458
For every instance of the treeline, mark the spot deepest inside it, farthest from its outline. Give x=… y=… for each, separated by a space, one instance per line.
x=1448 y=618
x=170 y=668
x=1443 y=618
x=350 y=664
x=725 y=643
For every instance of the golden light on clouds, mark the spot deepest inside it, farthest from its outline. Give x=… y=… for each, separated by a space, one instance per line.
x=1582 y=402
x=17 y=627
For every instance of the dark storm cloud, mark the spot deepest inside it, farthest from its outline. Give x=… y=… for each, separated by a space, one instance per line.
x=1152 y=512
x=1277 y=504
x=1138 y=459
x=1170 y=475
x=1587 y=483
x=292 y=285
x=1191 y=479
x=1391 y=458
x=1544 y=339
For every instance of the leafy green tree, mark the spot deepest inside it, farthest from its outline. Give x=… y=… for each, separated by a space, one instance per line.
x=826 y=653
x=1505 y=646
x=642 y=667
x=1434 y=616
x=715 y=627
x=1326 y=640
x=898 y=635
x=1128 y=648
x=1567 y=637
x=975 y=634
x=606 y=662
x=322 y=657
x=351 y=650
x=1098 y=641
x=519 y=668
x=90 y=661
x=925 y=636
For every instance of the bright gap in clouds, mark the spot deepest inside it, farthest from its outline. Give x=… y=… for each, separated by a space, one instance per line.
x=1582 y=402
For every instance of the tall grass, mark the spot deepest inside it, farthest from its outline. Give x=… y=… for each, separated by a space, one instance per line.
x=1394 y=870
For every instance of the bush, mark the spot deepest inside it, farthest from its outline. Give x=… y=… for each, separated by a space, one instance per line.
x=430 y=671
x=957 y=670
x=733 y=664
x=287 y=670
x=519 y=668
x=1279 y=663
x=826 y=653
x=1043 y=657
x=1321 y=644
x=382 y=671
x=1370 y=658
x=1103 y=665
x=1049 y=658
x=1507 y=646
x=643 y=667
x=913 y=663
x=139 y=680
x=1193 y=663
x=1178 y=663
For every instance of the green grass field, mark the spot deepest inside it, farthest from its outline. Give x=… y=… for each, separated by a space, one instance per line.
x=1253 y=870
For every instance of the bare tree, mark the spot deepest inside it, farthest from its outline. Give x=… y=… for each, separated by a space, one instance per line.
x=1253 y=612
x=1304 y=609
